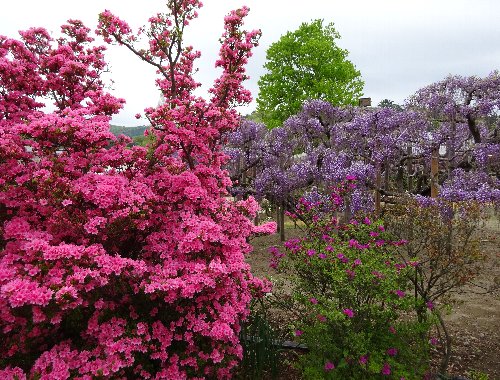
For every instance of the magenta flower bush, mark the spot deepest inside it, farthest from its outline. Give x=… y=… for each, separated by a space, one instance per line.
x=349 y=291
x=119 y=262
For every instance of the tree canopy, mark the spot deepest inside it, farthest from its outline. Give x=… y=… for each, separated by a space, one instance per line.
x=306 y=64
x=386 y=148
x=387 y=103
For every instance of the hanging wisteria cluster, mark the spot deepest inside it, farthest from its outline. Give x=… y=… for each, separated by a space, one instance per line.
x=388 y=150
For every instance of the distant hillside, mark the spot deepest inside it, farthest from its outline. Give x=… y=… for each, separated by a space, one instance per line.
x=128 y=131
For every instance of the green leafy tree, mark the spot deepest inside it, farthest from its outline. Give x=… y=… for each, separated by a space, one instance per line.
x=306 y=64
x=387 y=103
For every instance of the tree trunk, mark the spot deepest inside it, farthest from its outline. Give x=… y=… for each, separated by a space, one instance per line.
x=446 y=345
x=347 y=211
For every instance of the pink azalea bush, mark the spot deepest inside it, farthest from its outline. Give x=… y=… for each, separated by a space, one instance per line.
x=118 y=261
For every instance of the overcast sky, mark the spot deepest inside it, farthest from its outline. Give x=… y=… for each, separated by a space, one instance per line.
x=398 y=45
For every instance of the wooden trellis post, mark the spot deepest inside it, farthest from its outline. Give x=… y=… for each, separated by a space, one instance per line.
x=244 y=173
x=278 y=223
x=450 y=148
x=434 y=172
x=378 y=183
x=282 y=220
x=386 y=175
x=409 y=168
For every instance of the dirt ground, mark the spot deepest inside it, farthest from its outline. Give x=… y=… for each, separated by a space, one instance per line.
x=474 y=321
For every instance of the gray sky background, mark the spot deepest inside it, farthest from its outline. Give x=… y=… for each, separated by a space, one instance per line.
x=398 y=45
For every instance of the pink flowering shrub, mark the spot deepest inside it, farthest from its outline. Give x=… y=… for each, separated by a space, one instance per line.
x=120 y=262
x=351 y=294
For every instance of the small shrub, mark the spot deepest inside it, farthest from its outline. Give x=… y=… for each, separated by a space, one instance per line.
x=443 y=239
x=351 y=294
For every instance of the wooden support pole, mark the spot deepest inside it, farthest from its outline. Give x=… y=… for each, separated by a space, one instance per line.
x=434 y=172
x=409 y=168
x=278 y=223
x=400 y=179
x=378 y=183
x=450 y=148
x=244 y=173
x=282 y=221
x=386 y=175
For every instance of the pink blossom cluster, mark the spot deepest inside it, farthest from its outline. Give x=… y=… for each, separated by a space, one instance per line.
x=120 y=262
x=264 y=229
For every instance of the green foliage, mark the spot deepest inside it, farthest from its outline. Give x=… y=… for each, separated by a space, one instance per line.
x=355 y=313
x=386 y=103
x=259 y=342
x=478 y=375
x=255 y=116
x=135 y=133
x=128 y=131
x=306 y=64
x=144 y=140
